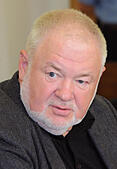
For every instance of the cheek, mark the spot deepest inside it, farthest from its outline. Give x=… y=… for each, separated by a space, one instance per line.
x=40 y=92
x=83 y=101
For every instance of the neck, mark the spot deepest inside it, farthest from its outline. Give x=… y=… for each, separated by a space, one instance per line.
x=68 y=130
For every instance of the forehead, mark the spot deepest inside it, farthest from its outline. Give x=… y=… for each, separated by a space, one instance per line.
x=73 y=44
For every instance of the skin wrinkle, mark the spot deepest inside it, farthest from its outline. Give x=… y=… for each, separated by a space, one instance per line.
x=58 y=68
x=72 y=37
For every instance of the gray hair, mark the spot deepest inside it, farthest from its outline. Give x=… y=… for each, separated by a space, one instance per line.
x=51 y=20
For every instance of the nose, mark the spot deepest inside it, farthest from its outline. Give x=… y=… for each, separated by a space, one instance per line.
x=65 y=91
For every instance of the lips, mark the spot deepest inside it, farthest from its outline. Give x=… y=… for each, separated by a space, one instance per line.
x=60 y=110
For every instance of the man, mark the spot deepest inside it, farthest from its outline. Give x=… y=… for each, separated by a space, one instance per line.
x=47 y=118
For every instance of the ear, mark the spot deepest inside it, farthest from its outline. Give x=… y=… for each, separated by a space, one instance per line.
x=23 y=64
x=103 y=70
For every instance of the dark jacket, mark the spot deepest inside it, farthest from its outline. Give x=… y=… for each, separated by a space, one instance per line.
x=24 y=145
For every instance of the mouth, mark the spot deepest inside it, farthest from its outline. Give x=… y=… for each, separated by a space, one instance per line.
x=60 y=110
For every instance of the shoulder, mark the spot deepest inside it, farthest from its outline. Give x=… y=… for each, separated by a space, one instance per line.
x=18 y=136
x=102 y=109
x=101 y=103
x=14 y=120
x=15 y=125
x=104 y=130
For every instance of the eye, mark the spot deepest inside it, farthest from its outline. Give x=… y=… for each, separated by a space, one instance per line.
x=82 y=84
x=52 y=74
x=81 y=81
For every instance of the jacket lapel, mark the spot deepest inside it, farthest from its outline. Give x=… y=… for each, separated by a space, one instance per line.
x=52 y=155
x=104 y=134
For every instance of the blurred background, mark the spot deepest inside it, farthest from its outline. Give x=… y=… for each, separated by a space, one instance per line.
x=16 y=18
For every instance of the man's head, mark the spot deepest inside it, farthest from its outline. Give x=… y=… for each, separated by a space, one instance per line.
x=60 y=69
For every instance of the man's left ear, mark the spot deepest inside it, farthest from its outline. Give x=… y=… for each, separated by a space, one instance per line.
x=103 y=70
x=23 y=64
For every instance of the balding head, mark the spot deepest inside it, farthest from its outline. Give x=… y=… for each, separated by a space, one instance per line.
x=65 y=21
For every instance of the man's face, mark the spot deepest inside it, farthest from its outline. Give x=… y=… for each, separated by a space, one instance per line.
x=62 y=81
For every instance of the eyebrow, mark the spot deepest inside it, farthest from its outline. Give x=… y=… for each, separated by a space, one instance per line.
x=53 y=66
x=89 y=74
x=84 y=75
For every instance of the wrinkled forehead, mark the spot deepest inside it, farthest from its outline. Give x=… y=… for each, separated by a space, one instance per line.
x=73 y=39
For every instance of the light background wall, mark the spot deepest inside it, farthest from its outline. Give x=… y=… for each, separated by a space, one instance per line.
x=16 y=18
